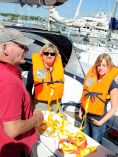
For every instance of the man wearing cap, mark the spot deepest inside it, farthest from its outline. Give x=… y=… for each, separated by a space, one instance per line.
x=17 y=124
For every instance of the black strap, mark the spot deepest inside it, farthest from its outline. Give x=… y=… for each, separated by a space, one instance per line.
x=48 y=82
x=93 y=95
x=70 y=103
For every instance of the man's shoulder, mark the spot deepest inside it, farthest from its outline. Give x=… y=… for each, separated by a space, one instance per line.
x=6 y=75
x=4 y=71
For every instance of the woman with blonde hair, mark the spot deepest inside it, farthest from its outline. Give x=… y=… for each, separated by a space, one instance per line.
x=100 y=87
x=47 y=76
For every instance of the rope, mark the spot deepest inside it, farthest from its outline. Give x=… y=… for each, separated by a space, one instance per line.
x=52 y=92
x=54 y=125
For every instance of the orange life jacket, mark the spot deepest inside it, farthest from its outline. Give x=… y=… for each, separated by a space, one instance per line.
x=95 y=93
x=42 y=78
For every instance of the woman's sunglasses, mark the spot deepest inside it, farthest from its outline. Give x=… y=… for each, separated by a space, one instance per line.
x=49 y=53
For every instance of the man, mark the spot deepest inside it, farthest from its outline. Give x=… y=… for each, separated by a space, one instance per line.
x=47 y=76
x=17 y=132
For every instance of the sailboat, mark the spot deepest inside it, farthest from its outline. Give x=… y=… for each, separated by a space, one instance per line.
x=96 y=26
x=72 y=88
x=85 y=24
x=90 y=50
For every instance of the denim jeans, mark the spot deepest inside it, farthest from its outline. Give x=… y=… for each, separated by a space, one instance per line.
x=95 y=132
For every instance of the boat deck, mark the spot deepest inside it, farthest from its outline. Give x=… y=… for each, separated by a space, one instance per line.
x=48 y=146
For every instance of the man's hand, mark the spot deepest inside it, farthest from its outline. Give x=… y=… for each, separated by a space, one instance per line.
x=39 y=116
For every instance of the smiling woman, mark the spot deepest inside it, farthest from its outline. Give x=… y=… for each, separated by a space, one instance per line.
x=48 y=82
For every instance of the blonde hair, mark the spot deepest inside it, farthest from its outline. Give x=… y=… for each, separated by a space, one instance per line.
x=100 y=58
x=47 y=47
x=106 y=57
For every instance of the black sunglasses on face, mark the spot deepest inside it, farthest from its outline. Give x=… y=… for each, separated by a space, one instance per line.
x=49 y=53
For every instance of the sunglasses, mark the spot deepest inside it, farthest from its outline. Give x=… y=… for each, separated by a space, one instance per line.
x=23 y=46
x=49 y=53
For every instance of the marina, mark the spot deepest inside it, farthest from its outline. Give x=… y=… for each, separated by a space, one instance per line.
x=78 y=54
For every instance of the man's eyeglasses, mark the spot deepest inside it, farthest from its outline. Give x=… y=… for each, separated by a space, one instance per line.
x=23 y=47
x=49 y=53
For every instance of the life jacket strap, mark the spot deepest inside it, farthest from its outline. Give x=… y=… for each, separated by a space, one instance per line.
x=90 y=96
x=48 y=82
x=52 y=92
x=93 y=95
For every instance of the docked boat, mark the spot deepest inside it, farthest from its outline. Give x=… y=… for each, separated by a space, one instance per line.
x=73 y=86
x=93 y=25
x=90 y=47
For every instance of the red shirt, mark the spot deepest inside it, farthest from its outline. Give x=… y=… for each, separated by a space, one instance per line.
x=14 y=104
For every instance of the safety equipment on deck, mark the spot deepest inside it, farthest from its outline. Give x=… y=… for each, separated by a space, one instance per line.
x=95 y=93
x=43 y=78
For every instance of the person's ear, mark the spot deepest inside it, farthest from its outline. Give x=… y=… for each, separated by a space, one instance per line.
x=5 y=50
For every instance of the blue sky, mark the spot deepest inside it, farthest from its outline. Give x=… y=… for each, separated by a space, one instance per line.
x=68 y=9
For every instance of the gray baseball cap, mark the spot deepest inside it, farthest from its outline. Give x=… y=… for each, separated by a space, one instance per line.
x=11 y=34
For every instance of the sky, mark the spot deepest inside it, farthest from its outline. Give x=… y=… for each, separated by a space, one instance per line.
x=67 y=10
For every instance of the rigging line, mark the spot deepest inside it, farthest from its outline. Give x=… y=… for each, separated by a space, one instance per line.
x=76 y=14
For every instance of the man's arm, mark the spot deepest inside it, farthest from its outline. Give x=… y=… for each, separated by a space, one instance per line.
x=14 y=102
x=18 y=127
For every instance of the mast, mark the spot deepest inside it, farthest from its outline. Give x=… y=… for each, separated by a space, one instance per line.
x=76 y=14
x=114 y=8
x=112 y=20
x=49 y=21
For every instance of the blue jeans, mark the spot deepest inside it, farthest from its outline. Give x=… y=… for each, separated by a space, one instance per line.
x=95 y=132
